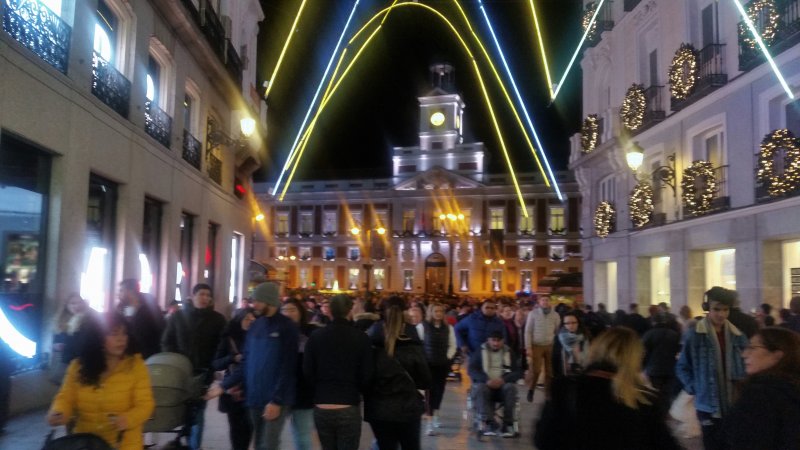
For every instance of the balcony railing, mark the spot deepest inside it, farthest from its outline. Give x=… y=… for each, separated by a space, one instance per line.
x=603 y=22
x=212 y=29
x=192 y=149
x=630 y=4
x=787 y=34
x=215 y=168
x=654 y=107
x=233 y=63
x=711 y=75
x=42 y=31
x=110 y=86
x=158 y=124
x=779 y=166
x=722 y=199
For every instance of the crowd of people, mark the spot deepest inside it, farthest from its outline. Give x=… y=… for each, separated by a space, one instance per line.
x=328 y=364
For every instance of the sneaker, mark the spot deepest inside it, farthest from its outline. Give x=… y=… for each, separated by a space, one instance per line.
x=530 y=395
x=489 y=428
x=436 y=423
x=429 y=431
x=508 y=431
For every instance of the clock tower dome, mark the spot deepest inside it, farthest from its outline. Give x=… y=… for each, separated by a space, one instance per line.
x=441 y=112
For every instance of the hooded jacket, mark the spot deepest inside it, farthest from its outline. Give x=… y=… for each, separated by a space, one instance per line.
x=765 y=416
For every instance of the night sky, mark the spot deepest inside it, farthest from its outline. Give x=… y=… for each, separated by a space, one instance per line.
x=376 y=108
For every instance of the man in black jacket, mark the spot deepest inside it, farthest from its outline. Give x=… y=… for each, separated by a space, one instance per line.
x=195 y=332
x=338 y=363
x=144 y=318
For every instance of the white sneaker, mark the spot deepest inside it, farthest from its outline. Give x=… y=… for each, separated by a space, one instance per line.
x=429 y=430
x=436 y=423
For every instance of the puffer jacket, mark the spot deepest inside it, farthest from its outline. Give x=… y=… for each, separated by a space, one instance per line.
x=474 y=330
x=125 y=392
x=394 y=394
x=697 y=367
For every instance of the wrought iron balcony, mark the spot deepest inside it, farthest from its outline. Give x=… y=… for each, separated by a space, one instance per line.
x=630 y=4
x=110 y=86
x=215 y=168
x=787 y=34
x=42 y=31
x=603 y=22
x=157 y=123
x=654 y=107
x=233 y=63
x=212 y=29
x=192 y=149
x=710 y=75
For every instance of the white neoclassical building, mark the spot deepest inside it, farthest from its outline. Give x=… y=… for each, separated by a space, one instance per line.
x=121 y=152
x=679 y=88
x=440 y=224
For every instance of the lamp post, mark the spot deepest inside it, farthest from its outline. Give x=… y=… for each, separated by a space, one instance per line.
x=666 y=174
x=256 y=219
x=450 y=224
x=355 y=231
x=495 y=263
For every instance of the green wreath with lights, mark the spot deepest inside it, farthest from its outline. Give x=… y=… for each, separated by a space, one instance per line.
x=763 y=13
x=683 y=73
x=633 y=107
x=587 y=18
x=641 y=204
x=779 y=184
x=590 y=132
x=698 y=199
x=604 y=218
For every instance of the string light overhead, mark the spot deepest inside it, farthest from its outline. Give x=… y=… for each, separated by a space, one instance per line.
x=285 y=47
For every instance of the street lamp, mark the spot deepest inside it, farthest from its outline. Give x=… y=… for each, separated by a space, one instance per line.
x=666 y=174
x=256 y=219
x=450 y=225
x=247 y=126
x=355 y=231
x=495 y=263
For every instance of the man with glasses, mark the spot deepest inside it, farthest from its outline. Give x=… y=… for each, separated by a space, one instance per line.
x=540 y=331
x=711 y=363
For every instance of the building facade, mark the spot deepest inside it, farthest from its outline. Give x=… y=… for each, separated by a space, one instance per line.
x=441 y=224
x=120 y=152
x=681 y=89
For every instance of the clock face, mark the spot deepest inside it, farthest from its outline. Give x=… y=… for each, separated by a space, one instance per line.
x=437 y=119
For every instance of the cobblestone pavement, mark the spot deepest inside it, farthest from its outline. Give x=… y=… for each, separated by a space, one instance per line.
x=27 y=432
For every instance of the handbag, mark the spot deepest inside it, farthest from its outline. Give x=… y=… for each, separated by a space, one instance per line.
x=78 y=441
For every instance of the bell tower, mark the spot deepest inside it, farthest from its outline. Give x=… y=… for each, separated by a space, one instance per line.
x=441 y=112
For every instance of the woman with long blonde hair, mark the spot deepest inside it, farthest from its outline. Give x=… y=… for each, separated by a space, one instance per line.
x=610 y=402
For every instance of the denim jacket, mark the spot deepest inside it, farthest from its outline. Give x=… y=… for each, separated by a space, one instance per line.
x=697 y=366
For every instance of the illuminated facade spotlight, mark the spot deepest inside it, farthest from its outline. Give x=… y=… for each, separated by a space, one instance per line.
x=519 y=99
x=541 y=49
x=764 y=49
x=577 y=50
x=316 y=94
x=285 y=47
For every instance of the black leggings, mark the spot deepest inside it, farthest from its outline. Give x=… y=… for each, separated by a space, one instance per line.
x=390 y=435
x=241 y=431
x=438 y=382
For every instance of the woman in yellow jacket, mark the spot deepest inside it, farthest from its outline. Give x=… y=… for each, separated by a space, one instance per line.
x=106 y=389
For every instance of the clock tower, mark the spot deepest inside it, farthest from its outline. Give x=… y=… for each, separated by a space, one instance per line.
x=441 y=112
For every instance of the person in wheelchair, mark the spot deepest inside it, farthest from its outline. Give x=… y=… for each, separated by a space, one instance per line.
x=494 y=373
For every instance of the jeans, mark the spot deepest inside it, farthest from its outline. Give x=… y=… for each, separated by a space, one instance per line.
x=267 y=432
x=713 y=438
x=438 y=382
x=338 y=429
x=485 y=398
x=302 y=428
x=197 y=421
x=390 y=435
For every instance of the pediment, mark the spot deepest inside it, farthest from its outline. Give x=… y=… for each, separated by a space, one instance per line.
x=437 y=178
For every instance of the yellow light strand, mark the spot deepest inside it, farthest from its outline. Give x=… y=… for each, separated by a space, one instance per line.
x=506 y=95
x=285 y=47
x=541 y=50
x=480 y=80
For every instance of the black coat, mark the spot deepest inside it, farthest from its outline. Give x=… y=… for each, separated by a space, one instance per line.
x=587 y=404
x=194 y=333
x=393 y=395
x=661 y=345
x=146 y=326
x=766 y=416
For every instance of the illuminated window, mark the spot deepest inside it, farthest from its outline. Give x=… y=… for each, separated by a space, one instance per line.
x=304 y=253
x=237 y=260
x=209 y=274
x=380 y=278
x=105 y=38
x=408 y=279
x=150 y=252
x=497 y=280
x=526 y=224
x=526 y=252
x=153 y=80
x=557 y=220
x=327 y=277
x=183 y=278
x=52 y=5
x=721 y=268
x=329 y=253
x=303 y=277
x=382 y=219
x=282 y=225
x=557 y=252
x=463 y=278
x=100 y=242
x=329 y=222
x=525 y=277
x=409 y=216
x=659 y=280
x=353 y=278
x=497 y=219
x=306 y=223
x=354 y=253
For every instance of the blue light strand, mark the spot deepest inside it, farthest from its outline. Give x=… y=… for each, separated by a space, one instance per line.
x=316 y=95
x=519 y=99
x=577 y=50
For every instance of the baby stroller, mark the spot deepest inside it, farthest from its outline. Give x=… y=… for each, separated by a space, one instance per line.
x=175 y=391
